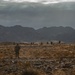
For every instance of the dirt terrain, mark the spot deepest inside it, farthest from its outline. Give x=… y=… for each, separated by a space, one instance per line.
x=37 y=59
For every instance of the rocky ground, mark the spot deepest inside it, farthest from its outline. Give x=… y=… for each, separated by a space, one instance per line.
x=37 y=59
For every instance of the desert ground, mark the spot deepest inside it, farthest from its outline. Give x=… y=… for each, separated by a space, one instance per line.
x=37 y=59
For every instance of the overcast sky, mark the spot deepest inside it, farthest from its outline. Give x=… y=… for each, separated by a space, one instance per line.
x=37 y=13
x=39 y=0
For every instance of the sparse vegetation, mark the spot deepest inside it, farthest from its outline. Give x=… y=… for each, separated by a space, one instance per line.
x=45 y=59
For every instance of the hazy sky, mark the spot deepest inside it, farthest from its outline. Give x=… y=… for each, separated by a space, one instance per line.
x=37 y=13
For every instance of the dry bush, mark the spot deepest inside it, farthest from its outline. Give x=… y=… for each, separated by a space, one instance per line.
x=33 y=72
x=30 y=70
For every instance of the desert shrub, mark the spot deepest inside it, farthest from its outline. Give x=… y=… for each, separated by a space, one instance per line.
x=30 y=72
x=29 y=69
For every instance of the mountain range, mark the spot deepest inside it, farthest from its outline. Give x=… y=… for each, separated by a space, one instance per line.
x=18 y=33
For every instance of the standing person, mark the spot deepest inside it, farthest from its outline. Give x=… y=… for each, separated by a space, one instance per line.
x=17 y=49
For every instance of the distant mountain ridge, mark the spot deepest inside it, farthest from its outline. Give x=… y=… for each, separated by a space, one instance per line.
x=18 y=33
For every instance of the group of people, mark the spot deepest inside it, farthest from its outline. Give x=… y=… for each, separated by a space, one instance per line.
x=17 y=49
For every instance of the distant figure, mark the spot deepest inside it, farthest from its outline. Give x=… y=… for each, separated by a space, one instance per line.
x=17 y=49
x=47 y=42
x=59 y=42
x=32 y=43
x=51 y=43
x=41 y=43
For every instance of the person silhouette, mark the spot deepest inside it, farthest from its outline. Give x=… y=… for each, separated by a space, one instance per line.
x=17 y=49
